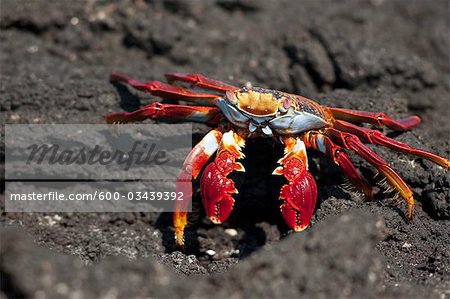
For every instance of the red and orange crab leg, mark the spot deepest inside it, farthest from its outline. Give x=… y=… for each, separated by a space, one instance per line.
x=299 y=195
x=216 y=188
x=323 y=144
x=166 y=91
x=192 y=166
x=352 y=142
x=375 y=118
x=156 y=110
x=376 y=137
x=197 y=80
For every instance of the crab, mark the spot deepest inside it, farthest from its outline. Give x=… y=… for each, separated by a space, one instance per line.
x=297 y=122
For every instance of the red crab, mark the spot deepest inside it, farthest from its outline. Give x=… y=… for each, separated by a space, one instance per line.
x=299 y=123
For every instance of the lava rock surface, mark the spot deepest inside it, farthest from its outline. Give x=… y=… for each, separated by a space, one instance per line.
x=389 y=56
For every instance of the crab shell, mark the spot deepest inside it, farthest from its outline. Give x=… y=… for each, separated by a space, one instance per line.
x=269 y=111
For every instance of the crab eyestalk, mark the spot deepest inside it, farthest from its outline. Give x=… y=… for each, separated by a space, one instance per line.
x=300 y=194
x=216 y=188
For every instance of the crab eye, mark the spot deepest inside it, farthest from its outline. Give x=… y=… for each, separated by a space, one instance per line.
x=231 y=97
x=287 y=103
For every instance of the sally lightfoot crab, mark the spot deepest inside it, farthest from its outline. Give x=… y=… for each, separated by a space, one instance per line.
x=297 y=122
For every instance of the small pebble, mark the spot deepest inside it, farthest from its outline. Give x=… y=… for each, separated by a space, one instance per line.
x=231 y=232
x=406 y=245
x=210 y=252
x=191 y=259
x=14 y=117
x=32 y=49
x=74 y=21
x=62 y=288
x=101 y=15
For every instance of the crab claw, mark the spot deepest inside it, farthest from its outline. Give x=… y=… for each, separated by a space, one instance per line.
x=215 y=187
x=300 y=194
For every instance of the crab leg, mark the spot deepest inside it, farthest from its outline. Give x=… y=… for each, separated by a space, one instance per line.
x=166 y=91
x=376 y=118
x=324 y=145
x=216 y=188
x=197 y=80
x=299 y=195
x=350 y=141
x=192 y=166
x=376 y=137
x=156 y=110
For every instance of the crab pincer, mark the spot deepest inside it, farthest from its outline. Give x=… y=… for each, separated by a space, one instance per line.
x=216 y=188
x=299 y=195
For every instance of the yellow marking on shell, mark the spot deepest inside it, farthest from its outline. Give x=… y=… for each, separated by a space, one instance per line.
x=256 y=103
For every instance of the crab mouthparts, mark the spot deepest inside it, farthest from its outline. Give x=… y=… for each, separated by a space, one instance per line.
x=264 y=128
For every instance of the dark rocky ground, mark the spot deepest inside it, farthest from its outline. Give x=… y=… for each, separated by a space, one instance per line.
x=390 y=56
